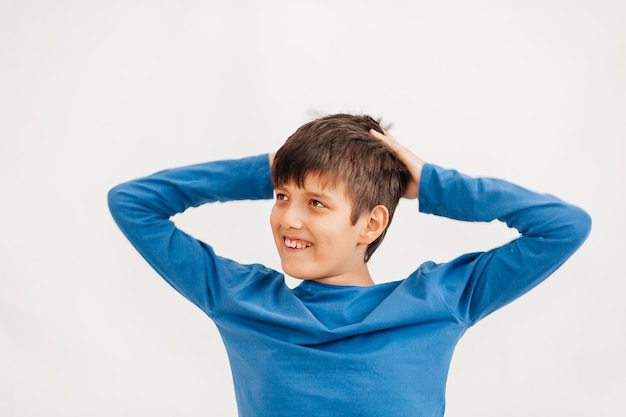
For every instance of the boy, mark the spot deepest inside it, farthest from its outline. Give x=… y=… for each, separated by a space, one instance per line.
x=338 y=345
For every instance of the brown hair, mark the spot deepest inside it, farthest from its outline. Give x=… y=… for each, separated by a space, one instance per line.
x=340 y=149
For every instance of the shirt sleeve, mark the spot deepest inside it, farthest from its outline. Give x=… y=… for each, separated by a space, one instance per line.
x=142 y=209
x=474 y=285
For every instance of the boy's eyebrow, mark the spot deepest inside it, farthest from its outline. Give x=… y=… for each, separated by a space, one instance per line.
x=323 y=196
x=310 y=193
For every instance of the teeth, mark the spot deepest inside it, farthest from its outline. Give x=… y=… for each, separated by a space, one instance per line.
x=296 y=244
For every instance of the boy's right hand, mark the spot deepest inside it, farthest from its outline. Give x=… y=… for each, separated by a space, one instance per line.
x=413 y=162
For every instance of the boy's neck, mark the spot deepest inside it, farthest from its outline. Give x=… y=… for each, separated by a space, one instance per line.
x=361 y=278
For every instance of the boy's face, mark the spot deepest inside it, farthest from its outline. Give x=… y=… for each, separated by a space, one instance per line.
x=314 y=235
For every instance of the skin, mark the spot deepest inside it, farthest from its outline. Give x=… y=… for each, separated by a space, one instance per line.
x=312 y=229
x=413 y=162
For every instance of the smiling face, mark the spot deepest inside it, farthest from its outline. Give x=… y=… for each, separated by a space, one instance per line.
x=315 y=237
x=341 y=148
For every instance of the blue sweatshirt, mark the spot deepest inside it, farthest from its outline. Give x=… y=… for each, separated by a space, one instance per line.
x=324 y=350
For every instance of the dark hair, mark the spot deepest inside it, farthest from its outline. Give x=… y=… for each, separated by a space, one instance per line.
x=340 y=149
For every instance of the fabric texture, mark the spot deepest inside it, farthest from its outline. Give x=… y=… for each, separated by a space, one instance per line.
x=324 y=350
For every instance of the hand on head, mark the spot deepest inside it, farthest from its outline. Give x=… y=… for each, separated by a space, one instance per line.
x=413 y=162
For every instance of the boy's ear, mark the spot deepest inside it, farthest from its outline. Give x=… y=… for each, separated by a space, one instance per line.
x=375 y=224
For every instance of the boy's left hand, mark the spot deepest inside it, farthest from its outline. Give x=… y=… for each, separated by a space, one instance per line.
x=413 y=162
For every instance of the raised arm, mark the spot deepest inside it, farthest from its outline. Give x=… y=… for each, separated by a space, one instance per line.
x=477 y=284
x=142 y=209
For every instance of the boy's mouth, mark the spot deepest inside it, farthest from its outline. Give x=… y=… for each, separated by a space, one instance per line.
x=296 y=243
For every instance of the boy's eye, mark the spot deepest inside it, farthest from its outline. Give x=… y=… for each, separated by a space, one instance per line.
x=317 y=203
x=280 y=196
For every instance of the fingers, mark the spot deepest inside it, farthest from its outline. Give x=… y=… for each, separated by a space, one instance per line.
x=386 y=137
x=413 y=163
x=388 y=140
x=377 y=134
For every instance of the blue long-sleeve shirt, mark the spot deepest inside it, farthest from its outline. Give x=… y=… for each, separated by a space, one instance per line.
x=324 y=350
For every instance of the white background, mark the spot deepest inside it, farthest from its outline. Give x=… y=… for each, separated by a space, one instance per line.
x=93 y=93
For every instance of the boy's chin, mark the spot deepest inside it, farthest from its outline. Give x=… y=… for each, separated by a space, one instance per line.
x=299 y=273
x=298 y=276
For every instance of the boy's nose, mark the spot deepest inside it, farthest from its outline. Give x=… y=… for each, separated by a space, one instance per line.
x=291 y=218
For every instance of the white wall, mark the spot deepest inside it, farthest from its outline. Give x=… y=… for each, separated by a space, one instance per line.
x=94 y=93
